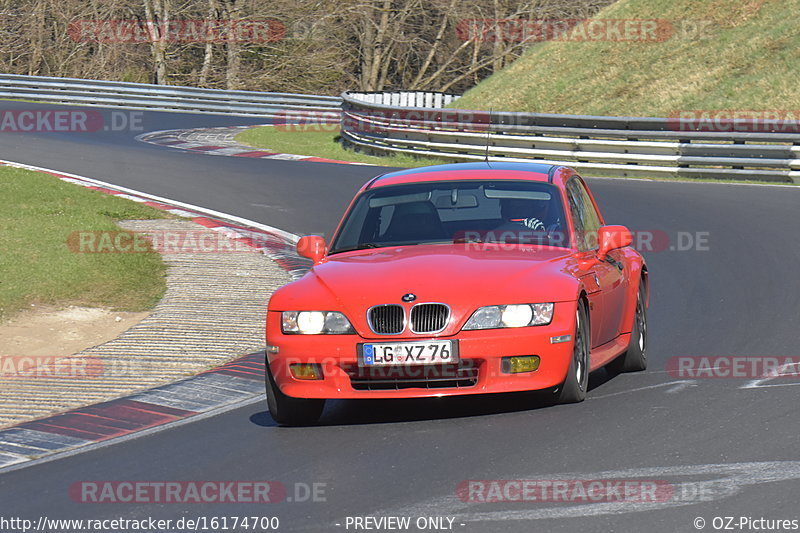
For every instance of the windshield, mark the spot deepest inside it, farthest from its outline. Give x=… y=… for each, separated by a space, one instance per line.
x=519 y=212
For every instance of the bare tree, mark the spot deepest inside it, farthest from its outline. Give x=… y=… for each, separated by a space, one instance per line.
x=328 y=46
x=157 y=23
x=208 y=51
x=231 y=16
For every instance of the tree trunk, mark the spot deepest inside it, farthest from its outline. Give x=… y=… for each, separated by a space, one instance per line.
x=157 y=23
x=37 y=49
x=378 y=46
x=231 y=15
x=208 y=54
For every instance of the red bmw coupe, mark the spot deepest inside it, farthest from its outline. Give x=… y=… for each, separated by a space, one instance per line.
x=468 y=278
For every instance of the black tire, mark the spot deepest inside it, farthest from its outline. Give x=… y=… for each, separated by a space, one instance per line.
x=574 y=388
x=635 y=357
x=288 y=411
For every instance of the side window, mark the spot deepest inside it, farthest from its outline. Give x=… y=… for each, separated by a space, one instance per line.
x=584 y=215
x=575 y=201
x=591 y=218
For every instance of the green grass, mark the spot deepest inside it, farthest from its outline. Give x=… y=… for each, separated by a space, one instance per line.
x=747 y=59
x=38 y=214
x=322 y=144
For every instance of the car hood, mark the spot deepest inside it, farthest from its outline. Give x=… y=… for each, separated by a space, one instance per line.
x=463 y=276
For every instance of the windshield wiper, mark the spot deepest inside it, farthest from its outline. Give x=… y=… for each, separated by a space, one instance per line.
x=361 y=246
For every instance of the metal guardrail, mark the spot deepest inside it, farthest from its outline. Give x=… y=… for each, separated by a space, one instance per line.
x=160 y=97
x=606 y=146
x=406 y=98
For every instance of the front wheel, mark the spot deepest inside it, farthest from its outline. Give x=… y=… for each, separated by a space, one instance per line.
x=574 y=388
x=635 y=358
x=288 y=411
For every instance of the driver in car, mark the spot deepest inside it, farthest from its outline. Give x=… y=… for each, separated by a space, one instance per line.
x=526 y=219
x=521 y=213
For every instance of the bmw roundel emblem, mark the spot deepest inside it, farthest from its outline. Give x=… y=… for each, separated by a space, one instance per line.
x=410 y=297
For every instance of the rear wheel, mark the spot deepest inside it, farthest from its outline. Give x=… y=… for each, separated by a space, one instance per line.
x=288 y=411
x=574 y=388
x=635 y=357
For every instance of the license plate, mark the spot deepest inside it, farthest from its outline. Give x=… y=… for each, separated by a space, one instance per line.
x=408 y=353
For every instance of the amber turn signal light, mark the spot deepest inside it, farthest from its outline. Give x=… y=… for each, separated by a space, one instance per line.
x=306 y=371
x=518 y=364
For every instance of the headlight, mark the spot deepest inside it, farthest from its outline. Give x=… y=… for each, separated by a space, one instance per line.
x=510 y=316
x=315 y=322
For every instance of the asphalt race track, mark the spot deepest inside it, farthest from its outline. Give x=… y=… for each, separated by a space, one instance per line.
x=728 y=447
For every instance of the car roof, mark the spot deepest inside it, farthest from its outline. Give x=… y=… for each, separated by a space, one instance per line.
x=468 y=171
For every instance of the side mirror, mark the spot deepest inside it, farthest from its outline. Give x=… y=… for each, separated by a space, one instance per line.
x=312 y=247
x=611 y=238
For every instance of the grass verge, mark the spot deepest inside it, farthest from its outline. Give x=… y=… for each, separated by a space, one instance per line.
x=39 y=212
x=713 y=55
x=322 y=144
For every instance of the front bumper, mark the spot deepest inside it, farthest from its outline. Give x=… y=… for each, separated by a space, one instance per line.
x=480 y=351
